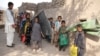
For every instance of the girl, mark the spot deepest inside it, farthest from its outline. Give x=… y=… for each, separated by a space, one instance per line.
x=28 y=33
x=63 y=37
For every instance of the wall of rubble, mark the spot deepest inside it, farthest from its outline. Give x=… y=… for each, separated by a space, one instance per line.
x=73 y=10
x=70 y=10
x=41 y=6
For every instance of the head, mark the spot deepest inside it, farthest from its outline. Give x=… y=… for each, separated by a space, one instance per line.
x=59 y=18
x=63 y=23
x=36 y=19
x=28 y=15
x=79 y=28
x=51 y=19
x=10 y=5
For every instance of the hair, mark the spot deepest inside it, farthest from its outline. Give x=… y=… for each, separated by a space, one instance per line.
x=51 y=18
x=63 y=21
x=60 y=17
x=10 y=3
x=79 y=25
x=27 y=14
x=36 y=18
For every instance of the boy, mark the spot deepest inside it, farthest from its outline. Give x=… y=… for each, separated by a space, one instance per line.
x=80 y=40
x=63 y=38
x=57 y=26
x=58 y=23
x=54 y=37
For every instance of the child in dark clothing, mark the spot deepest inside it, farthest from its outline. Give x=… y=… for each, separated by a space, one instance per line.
x=80 y=40
x=28 y=33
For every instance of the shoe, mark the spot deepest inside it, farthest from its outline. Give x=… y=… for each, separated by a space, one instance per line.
x=13 y=44
x=39 y=50
x=60 y=49
x=64 y=50
x=34 y=50
x=10 y=46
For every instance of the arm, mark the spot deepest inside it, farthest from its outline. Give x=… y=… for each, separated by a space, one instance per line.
x=83 y=41
x=75 y=38
x=42 y=34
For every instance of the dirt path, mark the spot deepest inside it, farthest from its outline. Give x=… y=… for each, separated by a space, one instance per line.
x=93 y=48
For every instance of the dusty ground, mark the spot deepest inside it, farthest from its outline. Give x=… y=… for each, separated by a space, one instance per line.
x=93 y=47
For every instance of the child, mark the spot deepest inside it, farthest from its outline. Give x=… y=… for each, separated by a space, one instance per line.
x=57 y=26
x=54 y=37
x=36 y=35
x=63 y=38
x=80 y=40
x=28 y=33
x=58 y=23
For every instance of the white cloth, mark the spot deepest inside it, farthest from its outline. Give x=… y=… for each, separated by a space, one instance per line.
x=9 y=21
x=9 y=30
x=57 y=25
x=10 y=37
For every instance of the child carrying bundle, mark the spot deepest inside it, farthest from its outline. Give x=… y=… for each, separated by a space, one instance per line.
x=63 y=39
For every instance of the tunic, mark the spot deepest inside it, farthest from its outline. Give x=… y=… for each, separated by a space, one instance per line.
x=9 y=21
x=36 y=32
x=57 y=25
x=80 y=43
x=63 y=38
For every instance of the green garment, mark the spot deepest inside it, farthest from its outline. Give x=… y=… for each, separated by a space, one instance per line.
x=63 y=37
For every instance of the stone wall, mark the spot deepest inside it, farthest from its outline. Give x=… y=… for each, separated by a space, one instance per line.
x=70 y=10
x=73 y=10
x=41 y=6
x=28 y=6
x=58 y=3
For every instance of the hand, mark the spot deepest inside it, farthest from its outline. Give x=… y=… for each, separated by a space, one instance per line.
x=42 y=35
x=14 y=26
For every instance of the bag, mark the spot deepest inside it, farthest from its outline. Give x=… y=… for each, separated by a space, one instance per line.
x=63 y=39
x=23 y=38
x=73 y=50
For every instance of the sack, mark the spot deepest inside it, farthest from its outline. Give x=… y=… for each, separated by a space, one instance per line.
x=63 y=39
x=23 y=38
x=73 y=50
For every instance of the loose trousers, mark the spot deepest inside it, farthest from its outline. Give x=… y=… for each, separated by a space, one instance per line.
x=10 y=38
x=37 y=44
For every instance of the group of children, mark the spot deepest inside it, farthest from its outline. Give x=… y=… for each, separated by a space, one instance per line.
x=30 y=31
x=25 y=28
x=60 y=36
x=59 y=33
